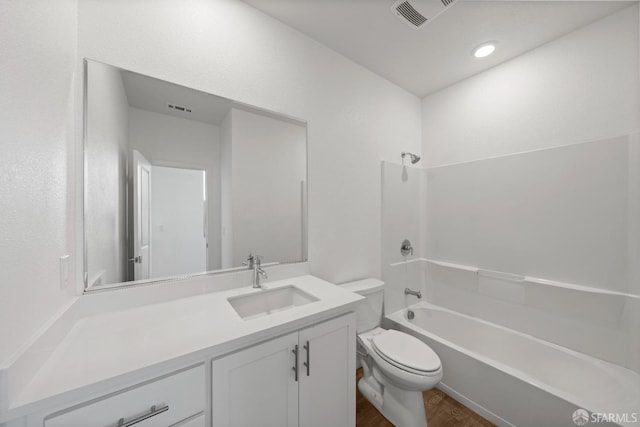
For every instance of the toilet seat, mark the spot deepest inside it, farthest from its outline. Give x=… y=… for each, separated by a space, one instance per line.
x=406 y=352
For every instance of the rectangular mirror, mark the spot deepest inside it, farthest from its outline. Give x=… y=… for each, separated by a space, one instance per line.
x=179 y=182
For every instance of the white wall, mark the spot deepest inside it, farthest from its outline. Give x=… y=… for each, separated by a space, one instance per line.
x=106 y=157
x=355 y=118
x=170 y=141
x=581 y=87
x=269 y=165
x=37 y=166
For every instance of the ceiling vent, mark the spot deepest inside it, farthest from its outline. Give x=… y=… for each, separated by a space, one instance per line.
x=179 y=108
x=416 y=13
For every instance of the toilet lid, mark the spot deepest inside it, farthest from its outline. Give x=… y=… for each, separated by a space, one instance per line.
x=405 y=350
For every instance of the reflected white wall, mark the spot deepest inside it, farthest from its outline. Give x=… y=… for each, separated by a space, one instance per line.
x=226 y=210
x=106 y=193
x=268 y=166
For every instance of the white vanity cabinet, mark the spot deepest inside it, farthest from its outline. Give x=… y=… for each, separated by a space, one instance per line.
x=305 y=379
x=174 y=400
x=204 y=365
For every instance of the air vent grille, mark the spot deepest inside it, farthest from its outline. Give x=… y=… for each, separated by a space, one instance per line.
x=410 y=14
x=417 y=13
x=179 y=108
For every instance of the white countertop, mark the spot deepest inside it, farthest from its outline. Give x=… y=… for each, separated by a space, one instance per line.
x=98 y=350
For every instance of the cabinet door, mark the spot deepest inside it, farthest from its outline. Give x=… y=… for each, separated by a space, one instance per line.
x=256 y=386
x=327 y=373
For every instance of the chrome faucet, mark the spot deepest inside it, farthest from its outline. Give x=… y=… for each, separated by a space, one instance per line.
x=408 y=291
x=253 y=262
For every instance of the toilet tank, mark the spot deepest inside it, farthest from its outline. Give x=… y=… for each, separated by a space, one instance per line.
x=369 y=311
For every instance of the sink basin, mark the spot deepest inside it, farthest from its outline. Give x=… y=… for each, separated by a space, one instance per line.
x=269 y=301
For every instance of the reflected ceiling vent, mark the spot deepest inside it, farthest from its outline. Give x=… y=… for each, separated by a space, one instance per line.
x=416 y=13
x=179 y=108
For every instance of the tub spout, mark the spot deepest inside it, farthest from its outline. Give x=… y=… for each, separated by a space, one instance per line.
x=408 y=291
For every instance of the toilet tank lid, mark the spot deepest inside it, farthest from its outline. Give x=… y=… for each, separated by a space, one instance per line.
x=365 y=286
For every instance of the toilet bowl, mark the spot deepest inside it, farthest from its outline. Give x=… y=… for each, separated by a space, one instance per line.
x=397 y=367
x=403 y=359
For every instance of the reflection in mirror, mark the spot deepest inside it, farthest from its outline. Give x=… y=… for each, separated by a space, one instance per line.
x=181 y=182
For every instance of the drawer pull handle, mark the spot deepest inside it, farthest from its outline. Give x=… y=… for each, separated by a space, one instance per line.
x=153 y=411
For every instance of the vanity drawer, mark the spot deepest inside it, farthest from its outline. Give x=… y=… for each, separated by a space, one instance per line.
x=197 y=421
x=173 y=398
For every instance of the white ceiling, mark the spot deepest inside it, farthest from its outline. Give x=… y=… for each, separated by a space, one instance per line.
x=147 y=93
x=438 y=54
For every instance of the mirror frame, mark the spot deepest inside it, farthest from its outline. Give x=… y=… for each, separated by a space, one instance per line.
x=84 y=192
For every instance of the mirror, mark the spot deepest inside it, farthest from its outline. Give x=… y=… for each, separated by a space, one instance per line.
x=179 y=182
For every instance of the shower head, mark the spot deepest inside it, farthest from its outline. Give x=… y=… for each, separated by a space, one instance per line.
x=414 y=158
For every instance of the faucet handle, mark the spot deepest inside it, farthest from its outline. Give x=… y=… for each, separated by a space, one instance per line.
x=250 y=260
x=406 y=248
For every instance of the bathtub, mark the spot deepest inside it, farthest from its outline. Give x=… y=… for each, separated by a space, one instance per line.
x=514 y=379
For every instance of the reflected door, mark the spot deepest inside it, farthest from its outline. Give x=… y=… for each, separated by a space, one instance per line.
x=178 y=221
x=141 y=216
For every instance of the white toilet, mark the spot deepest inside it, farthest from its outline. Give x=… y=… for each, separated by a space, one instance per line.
x=397 y=367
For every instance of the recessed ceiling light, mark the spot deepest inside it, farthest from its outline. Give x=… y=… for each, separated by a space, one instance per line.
x=484 y=49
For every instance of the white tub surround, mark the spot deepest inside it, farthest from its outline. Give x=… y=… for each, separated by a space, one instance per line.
x=128 y=342
x=517 y=379
x=594 y=321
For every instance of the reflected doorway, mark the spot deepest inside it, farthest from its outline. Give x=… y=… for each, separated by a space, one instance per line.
x=170 y=220
x=178 y=221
